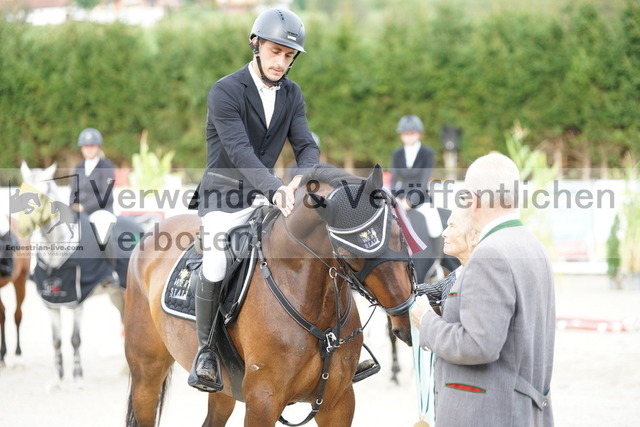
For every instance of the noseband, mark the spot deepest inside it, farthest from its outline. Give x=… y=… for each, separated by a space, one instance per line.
x=370 y=241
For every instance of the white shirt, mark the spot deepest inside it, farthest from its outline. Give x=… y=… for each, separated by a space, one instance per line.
x=487 y=228
x=90 y=165
x=267 y=94
x=411 y=152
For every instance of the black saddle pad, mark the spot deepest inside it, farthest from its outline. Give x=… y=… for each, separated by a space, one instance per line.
x=178 y=296
x=179 y=299
x=75 y=279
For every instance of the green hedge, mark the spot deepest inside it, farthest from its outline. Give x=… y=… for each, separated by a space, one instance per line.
x=575 y=70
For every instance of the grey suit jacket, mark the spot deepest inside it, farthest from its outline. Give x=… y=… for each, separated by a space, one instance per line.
x=494 y=342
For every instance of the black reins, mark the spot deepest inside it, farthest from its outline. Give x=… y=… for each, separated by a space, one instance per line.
x=329 y=340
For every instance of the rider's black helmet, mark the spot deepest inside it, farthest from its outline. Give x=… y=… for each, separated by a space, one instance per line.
x=280 y=26
x=89 y=136
x=410 y=124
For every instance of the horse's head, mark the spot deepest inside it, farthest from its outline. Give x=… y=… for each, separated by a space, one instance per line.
x=39 y=184
x=368 y=245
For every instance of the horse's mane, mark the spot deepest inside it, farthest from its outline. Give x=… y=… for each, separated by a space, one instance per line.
x=329 y=174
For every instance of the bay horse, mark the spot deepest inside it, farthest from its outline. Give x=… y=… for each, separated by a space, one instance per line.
x=71 y=265
x=309 y=259
x=21 y=261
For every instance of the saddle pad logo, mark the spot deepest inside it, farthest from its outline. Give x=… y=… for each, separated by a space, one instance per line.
x=180 y=285
x=369 y=238
x=52 y=287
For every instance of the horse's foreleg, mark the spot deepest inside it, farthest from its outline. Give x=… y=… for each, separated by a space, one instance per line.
x=395 y=366
x=262 y=409
x=340 y=414
x=57 y=340
x=76 y=341
x=19 y=286
x=3 y=344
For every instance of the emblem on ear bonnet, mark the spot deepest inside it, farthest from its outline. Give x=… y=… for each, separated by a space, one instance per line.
x=357 y=216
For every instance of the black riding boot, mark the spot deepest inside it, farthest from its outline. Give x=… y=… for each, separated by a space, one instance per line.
x=205 y=372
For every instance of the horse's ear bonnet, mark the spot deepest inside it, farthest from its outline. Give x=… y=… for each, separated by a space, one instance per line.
x=357 y=216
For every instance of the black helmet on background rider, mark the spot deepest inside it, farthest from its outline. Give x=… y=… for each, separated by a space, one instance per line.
x=89 y=136
x=280 y=26
x=410 y=123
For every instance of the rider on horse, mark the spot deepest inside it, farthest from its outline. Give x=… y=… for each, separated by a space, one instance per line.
x=95 y=176
x=250 y=115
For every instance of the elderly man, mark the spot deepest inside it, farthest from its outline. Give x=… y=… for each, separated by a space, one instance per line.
x=494 y=341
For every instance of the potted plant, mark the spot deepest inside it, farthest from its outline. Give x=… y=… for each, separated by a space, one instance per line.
x=630 y=248
x=613 y=255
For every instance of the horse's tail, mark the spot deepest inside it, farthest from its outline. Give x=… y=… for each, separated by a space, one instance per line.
x=130 y=420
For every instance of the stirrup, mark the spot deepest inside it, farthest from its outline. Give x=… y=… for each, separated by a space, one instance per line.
x=200 y=383
x=366 y=368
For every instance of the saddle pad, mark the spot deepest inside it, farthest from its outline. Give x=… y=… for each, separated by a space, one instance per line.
x=178 y=298
x=77 y=277
x=60 y=287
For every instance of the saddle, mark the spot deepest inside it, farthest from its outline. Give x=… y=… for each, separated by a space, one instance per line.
x=179 y=292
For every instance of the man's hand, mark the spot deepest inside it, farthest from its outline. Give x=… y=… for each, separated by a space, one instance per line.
x=284 y=198
x=418 y=309
x=295 y=182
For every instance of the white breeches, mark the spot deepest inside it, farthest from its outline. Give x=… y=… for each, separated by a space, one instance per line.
x=215 y=226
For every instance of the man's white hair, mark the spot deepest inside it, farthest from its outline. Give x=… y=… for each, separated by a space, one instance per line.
x=494 y=178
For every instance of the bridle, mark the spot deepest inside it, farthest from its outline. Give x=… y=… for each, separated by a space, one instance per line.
x=330 y=339
x=377 y=255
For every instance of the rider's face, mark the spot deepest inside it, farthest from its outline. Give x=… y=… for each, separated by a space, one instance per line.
x=90 y=152
x=275 y=59
x=411 y=137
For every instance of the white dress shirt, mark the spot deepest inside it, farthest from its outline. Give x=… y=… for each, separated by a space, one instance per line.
x=411 y=152
x=267 y=94
x=90 y=165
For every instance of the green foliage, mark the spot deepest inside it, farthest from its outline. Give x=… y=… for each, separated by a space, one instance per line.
x=630 y=248
x=613 y=248
x=368 y=63
x=537 y=176
x=87 y=4
x=149 y=169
